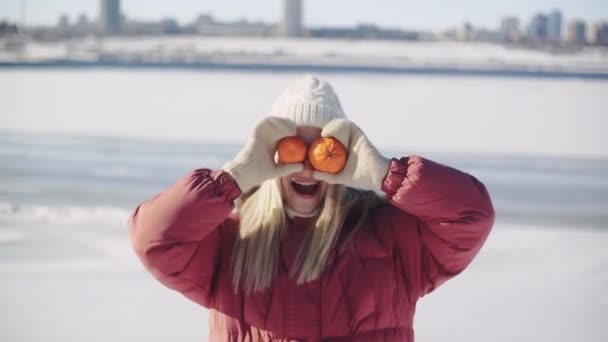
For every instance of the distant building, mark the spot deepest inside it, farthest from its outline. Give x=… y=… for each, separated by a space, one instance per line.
x=554 y=26
x=63 y=29
x=83 y=25
x=205 y=20
x=363 y=31
x=83 y=20
x=509 y=29
x=206 y=25
x=169 y=26
x=538 y=27
x=598 y=33
x=575 y=31
x=109 y=18
x=63 y=23
x=291 y=25
x=465 y=32
x=487 y=35
x=7 y=29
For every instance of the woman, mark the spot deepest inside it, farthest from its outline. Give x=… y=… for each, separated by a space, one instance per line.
x=287 y=253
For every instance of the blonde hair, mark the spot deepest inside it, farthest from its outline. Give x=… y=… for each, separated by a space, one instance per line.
x=263 y=220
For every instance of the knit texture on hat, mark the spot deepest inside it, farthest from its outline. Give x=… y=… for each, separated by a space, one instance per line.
x=308 y=101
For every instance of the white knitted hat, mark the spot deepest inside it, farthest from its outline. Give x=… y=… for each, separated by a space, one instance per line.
x=308 y=101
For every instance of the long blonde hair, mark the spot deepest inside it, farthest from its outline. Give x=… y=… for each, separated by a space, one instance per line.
x=262 y=221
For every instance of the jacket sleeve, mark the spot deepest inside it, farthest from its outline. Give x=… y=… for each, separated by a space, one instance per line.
x=176 y=234
x=442 y=218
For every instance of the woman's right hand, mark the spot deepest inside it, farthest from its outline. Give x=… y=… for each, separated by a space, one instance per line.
x=255 y=162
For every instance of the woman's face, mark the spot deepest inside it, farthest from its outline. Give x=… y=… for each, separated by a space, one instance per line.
x=301 y=192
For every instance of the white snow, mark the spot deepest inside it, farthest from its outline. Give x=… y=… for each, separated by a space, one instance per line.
x=564 y=117
x=527 y=284
x=61 y=215
x=11 y=236
x=315 y=51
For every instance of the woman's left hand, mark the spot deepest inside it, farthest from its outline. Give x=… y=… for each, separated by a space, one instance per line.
x=365 y=167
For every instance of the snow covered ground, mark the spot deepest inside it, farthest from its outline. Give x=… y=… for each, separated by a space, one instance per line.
x=527 y=284
x=329 y=52
x=560 y=117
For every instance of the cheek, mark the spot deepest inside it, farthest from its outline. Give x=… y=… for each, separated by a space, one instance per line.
x=285 y=186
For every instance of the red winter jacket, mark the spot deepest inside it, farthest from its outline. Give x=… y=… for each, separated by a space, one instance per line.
x=437 y=221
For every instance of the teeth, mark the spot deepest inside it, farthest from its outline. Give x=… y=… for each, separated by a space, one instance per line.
x=304 y=183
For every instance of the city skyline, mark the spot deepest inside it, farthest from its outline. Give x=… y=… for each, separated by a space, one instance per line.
x=428 y=16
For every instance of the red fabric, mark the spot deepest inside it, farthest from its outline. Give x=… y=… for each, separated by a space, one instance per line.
x=437 y=221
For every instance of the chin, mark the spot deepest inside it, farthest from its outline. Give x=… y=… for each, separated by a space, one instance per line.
x=303 y=211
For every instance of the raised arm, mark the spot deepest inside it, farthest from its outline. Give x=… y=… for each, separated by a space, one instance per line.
x=176 y=234
x=440 y=216
x=443 y=218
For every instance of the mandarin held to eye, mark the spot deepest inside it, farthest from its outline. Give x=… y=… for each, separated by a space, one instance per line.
x=292 y=150
x=327 y=155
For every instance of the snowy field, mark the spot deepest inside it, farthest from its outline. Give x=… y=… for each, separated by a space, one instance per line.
x=185 y=50
x=528 y=284
x=67 y=270
x=457 y=114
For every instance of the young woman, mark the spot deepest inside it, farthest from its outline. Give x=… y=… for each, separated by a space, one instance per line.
x=288 y=253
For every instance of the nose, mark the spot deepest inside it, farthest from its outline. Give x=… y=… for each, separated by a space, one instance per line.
x=308 y=169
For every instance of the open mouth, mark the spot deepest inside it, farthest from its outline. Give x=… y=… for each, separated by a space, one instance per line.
x=305 y=188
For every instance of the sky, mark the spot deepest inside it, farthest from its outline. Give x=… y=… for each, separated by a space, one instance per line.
x=408 y=14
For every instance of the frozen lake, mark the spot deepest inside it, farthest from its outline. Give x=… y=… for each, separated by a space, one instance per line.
x=451 y=114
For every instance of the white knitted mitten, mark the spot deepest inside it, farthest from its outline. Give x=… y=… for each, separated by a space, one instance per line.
x=255 y=162
x=365 y=167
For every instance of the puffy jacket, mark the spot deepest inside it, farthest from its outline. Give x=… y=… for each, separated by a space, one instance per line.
x=436 y=220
